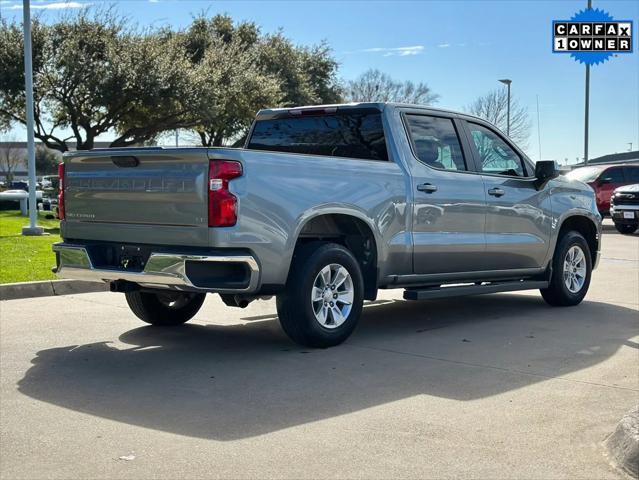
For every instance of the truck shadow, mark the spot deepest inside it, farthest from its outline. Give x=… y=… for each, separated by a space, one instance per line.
x=238 y=381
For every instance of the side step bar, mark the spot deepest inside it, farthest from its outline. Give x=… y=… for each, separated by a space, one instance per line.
x=477 y=289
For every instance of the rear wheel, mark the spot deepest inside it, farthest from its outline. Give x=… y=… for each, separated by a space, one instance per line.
x=571 y=271
x=164 y=308
x=626 y=228
x=324 y=295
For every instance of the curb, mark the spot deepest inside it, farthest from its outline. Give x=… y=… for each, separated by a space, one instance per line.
x=49 y=288
x=623 y=444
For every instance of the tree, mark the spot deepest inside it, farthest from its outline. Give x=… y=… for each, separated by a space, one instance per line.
x=226 y=59
x=376 y=86
x=93 y=74
x=46 y=161
x=307 y=74
x=243 y=71
x=493 y=107
x=11 y=157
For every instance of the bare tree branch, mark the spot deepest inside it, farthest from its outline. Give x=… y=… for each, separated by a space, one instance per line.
x=376 y=86
x=493 y=107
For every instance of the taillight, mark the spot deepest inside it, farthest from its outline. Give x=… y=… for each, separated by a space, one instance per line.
x=222 y=203
x=61 y=191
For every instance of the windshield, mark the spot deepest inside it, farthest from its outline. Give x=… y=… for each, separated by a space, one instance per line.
x=585 y=174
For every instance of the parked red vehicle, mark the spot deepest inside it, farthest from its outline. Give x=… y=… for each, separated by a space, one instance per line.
x=604 y=179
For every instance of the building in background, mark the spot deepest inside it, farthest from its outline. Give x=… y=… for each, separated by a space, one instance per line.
x=624 y=157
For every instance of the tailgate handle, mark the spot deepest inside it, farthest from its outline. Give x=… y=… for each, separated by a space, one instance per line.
x=125 y=161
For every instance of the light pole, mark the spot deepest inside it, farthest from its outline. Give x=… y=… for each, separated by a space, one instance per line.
x=33 y=228
x=507 y=82
x=587 y=105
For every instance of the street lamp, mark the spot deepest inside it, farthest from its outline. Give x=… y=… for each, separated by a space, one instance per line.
x=33 y=228
x=507 y=82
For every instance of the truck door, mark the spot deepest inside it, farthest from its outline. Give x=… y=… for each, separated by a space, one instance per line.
x=449 y=199
x=518 y=215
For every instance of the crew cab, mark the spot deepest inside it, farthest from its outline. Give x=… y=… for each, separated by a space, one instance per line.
x=322 y=207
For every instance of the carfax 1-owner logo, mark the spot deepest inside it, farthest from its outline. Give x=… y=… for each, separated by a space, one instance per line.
x=592 y=36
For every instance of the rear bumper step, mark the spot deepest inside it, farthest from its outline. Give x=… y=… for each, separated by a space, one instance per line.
x=217 y=273
x=457 y=291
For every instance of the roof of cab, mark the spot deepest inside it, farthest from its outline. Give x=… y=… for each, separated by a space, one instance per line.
x=269 y=113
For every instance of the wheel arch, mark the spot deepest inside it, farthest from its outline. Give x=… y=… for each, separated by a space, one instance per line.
x=588 y=226
x=347 y=227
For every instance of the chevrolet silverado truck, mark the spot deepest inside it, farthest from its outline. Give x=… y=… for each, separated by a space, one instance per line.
x=322 y=207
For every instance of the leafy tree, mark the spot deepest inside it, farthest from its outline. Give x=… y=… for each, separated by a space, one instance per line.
x=376 y=86
x=94 y=74
x=232 y=83
x=46 y=161
x=242 y=71
x=493 y=107
x=307 y=74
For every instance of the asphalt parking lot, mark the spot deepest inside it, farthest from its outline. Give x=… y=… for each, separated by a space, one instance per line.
x=496 y=386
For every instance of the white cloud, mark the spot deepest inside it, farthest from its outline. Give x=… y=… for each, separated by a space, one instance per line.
x=443 y=45
x=52 y=6
x=396 y=51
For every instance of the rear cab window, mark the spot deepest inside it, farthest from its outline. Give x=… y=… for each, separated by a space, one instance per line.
x=357 y=134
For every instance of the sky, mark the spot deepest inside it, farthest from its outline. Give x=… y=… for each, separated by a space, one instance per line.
x=459 y=48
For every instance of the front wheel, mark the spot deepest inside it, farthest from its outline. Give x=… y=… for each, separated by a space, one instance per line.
x=164 y=308
x=626 y=228
x=571 y=271
x=324 y=296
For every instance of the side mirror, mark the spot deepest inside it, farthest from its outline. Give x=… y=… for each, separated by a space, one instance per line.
x=545 y=170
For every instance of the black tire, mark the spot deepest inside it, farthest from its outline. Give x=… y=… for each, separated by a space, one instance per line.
x=164 y=308
x=295 y=309
x=558 y=293
x=626 y=228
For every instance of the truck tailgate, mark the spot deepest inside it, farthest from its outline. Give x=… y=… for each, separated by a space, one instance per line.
x=119 y=192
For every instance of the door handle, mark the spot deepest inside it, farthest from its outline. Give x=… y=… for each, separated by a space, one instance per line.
x=496 y=192
x=427 y=187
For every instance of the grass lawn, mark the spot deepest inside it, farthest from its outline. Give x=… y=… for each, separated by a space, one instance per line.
x=23 y=259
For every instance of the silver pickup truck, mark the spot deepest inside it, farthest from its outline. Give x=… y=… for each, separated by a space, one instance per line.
x=322 y=207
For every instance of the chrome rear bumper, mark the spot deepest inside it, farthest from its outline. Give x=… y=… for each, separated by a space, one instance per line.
x=161 y=269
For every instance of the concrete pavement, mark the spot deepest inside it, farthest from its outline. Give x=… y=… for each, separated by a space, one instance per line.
x=497 y=386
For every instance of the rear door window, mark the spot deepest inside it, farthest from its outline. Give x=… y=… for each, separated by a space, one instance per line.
x=350 y=134
x=435 y=142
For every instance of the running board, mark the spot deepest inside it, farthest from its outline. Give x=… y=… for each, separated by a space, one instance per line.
x=457 y=291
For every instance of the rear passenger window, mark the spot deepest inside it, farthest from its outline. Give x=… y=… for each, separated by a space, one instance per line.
x=349 y=134
x=435 y=142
